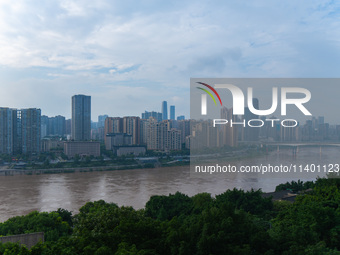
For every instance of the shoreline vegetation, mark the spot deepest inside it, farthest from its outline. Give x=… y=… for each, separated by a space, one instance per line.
x=234 y=222
x=125 y=163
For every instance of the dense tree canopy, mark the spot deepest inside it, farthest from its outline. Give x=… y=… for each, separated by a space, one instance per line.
x=234 y=222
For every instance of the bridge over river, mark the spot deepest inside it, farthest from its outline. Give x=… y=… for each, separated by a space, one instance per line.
x=293 y=145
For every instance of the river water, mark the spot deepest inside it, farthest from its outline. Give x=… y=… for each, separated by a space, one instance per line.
x=22 y=194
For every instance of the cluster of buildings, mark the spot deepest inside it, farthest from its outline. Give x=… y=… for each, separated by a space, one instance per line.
x=20 y=131
x=26 y=131
x=204 y=135
x=153 y=131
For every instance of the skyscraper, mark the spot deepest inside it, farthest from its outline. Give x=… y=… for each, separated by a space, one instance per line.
x=81 y=117
x=172 y=112
x=164 y=110
x=30 y=130
x=8 y=130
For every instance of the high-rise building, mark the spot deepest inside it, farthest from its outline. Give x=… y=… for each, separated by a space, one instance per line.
x=157 y=134
x=59 y=125
x=55 y=125
x=126 y=125
x=164 y=110
x=44 y=126
x=172 y=112
x=174 y=140
x=30 y=137
x=157 y=115
x=117 y=139
x=251 y=133
x=229 y=133
x=81 y=118
x=50 y=130
x=94 y=124
x=101 y=120
x=8 y=130
x=68 y=124
x=161 y=137
x=184 y=127
x=289 y=133
x=182 y=117
x=131 y=126
x=321 y=120
x=112 y=125
x=143 y=131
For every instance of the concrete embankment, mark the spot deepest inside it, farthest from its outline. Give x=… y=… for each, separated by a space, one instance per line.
x=10 y=172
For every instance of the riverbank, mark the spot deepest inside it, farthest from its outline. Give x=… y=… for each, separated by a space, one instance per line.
x=230 y=157
x=12 y=172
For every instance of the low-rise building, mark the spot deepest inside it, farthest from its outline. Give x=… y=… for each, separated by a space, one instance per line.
x=82 y=148
x=129 y=150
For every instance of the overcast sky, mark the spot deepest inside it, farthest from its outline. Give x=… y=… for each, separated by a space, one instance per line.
x=131 y=55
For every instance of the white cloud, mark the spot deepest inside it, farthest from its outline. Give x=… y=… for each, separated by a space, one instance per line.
x=87 y=45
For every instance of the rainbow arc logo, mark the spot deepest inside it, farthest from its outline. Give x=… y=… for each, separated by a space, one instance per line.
x=209 y=93
x=204 y=97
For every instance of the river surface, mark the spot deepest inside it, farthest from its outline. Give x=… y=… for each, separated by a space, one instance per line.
x=21 y=194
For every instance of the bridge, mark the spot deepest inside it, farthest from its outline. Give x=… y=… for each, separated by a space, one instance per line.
x=293 y=144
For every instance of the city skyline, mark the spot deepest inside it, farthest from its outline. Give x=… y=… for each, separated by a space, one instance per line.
x=26 y=131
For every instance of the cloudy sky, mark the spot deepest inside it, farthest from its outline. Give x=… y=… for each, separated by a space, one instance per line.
x=131 y=55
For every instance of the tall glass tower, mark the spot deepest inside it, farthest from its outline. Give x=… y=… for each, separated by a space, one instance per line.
x=81 y=118
x=172 y=112
x=164 y=110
